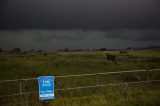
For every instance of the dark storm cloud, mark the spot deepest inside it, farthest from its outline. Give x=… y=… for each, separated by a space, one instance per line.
x=134 y=35
x=151 y=35
x=73 y=39
x=56 y=24
x=49 y=35
x=81 y=14
x=144 y=35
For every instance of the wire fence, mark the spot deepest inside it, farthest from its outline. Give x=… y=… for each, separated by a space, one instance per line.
x=16 y=90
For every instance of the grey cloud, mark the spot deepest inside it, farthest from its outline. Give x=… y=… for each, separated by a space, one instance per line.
x=150 y=35
x=60 y=39
x=144 y=35
x=134 y=35
x=123 y=34
x=68 y=35
x=48 y=36
x=81 y=14
x=79 y=23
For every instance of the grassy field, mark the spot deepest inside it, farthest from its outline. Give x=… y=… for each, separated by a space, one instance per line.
x=32 y=65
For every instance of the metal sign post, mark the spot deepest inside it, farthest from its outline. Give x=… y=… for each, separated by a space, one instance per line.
x=46 y=87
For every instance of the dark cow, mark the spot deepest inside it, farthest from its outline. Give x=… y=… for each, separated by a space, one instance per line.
x=110 y=57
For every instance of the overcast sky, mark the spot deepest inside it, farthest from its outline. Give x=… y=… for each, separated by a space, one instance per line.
x=79 y=24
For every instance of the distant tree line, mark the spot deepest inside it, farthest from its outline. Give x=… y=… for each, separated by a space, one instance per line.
x=14 y=50
x=18 y=50
x=1 y=50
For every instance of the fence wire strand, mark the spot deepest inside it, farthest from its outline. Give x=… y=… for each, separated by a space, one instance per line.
x=82 y=87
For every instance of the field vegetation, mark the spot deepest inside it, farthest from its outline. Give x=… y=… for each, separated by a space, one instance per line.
x=31 y=65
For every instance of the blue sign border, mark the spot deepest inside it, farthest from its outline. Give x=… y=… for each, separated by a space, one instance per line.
x=46 y=89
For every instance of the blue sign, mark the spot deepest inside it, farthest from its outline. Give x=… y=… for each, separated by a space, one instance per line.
x=46 y=87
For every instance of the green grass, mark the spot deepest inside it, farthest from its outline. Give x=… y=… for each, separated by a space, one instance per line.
x=18 y=66
x=102 y=100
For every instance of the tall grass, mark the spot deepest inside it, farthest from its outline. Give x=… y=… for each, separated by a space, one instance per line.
x=18 y=66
